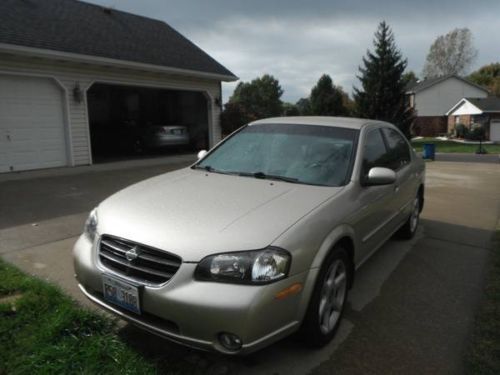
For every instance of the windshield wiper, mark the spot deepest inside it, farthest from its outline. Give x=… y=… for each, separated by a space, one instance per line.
x=265 y=176
x=207 y=168
x=211 y=169
x=260 y=175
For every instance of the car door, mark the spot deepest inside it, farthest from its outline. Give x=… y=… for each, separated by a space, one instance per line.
x=373 y=221
x=399 y=160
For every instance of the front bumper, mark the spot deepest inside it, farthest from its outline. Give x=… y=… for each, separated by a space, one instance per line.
x=193 y=313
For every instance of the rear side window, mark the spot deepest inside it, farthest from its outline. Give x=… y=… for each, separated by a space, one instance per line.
x=374 y=152
x=399 y=151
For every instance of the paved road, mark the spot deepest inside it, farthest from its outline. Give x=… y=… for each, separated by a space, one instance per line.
x=410 y=310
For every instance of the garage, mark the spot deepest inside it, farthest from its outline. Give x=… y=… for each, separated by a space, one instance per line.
x=100 y=85
x=32 y=131
x=495 y=130
x=135 y=121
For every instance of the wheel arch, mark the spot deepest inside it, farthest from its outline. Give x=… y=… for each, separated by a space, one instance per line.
x=342 y=235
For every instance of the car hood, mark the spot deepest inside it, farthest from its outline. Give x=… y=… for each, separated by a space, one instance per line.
x=193 y=213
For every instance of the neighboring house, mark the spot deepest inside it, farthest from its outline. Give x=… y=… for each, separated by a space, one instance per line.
x=483 y=111
x=66 y=66
x=432 y=98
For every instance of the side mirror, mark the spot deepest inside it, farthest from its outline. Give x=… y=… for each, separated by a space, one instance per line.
x=202 y=154
x=380 y=176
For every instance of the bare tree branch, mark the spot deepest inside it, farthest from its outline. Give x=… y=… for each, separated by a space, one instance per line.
x=453 y=53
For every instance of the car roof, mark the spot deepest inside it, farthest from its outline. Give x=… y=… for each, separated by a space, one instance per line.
x=341 y=122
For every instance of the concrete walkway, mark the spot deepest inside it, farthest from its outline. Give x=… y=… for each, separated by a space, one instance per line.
x=411 y=308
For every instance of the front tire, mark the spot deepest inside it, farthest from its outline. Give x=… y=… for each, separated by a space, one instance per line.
x=327 y=303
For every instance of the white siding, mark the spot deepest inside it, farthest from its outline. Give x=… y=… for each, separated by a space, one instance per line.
x=68 y=74
x=438 y=99
x=466 y=108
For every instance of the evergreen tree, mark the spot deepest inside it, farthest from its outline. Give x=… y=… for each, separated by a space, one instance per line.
x=327 y=99
x=382 y=94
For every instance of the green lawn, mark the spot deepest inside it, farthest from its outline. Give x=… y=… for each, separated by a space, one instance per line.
x=450 y=146
x=44 y=332
x=483 y=355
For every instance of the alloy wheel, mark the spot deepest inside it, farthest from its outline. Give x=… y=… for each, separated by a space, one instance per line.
x=415 y=215
x=333 y=293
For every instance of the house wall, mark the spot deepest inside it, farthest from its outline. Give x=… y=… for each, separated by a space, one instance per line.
x=438 y=99
x=468 y=120
x=462 y=119
x=67 y=74
x=429 y=126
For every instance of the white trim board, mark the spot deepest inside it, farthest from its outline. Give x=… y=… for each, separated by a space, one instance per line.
x=75 y=57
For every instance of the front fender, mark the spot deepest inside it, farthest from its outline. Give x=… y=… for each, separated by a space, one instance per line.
x=326 y=246
x=341 y=231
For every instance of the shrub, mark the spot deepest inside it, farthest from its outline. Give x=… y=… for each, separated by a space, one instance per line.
x=461 y=131
x=476 y=133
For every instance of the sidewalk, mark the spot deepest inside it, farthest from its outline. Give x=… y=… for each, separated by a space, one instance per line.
x=101 y=167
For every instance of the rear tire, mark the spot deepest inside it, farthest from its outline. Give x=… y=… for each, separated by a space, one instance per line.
x=138 y=147
x=408 y=230
x=326 y=307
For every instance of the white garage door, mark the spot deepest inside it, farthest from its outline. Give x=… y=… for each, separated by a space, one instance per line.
x=32 y=131
x=495 y=130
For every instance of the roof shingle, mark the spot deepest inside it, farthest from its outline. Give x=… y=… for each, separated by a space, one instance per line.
x=87 y=29
x=426 y=83
x=489 y=104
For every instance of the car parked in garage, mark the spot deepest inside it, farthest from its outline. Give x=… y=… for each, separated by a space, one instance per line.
x=259 y=238
x=130 y=137
x=156 y=136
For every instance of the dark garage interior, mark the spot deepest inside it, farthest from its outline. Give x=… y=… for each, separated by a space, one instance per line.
x=131 y=122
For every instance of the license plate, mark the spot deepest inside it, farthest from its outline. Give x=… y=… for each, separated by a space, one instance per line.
x=121 y=294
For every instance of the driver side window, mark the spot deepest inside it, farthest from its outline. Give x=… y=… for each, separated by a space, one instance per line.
x=374 y=152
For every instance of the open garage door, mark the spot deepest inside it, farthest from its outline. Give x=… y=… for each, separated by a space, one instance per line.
x=32 y=131
x=130 y=121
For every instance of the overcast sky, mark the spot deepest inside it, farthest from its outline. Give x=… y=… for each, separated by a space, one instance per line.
x=298 y=40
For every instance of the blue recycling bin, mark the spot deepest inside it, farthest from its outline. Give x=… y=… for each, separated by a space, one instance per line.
x=429 y=151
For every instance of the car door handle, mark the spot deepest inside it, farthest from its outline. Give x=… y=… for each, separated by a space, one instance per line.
x=396 y=188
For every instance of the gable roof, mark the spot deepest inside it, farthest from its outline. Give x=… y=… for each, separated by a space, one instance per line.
x=490 y=104
x=427 y=83
x=76 y=27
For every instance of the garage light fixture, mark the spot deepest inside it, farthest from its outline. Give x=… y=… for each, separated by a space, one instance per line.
x=77 y=93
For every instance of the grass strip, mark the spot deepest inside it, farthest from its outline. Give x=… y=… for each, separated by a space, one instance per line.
x=453 y=147
x=42 y=331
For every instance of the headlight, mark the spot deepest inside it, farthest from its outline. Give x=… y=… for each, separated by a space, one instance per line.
x=90 y=228
x=245 y=267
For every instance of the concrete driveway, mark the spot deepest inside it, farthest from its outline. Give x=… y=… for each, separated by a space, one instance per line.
x=410 y=311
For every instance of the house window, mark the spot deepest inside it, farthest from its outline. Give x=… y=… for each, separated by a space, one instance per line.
x=457 y=120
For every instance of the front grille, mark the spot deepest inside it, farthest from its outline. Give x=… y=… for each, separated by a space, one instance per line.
x=150 y=266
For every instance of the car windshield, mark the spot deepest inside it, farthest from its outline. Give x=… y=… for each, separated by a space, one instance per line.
x=308 y=154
